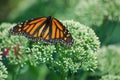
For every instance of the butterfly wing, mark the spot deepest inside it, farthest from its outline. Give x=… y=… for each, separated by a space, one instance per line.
x=48 y=30
x=29 y=28
x=61 y=33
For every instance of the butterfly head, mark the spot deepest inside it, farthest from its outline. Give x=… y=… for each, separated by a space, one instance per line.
x=68 y=40
x=16 y=29
x=49 y=19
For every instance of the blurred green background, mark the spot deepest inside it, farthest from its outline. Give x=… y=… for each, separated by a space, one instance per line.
x=103 y=16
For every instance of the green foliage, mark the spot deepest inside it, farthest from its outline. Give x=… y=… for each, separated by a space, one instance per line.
x=108 y=59
x=3 y=70
x=108 y=31
x=57 y=57
x=92 y=12
x=110 y=77
x=88 y=12
x=39 y=8
x=20 y=9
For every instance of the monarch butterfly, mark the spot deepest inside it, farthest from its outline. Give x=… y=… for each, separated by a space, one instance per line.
x=46 y=29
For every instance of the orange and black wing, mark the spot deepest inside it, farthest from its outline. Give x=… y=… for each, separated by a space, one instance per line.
x=60 y=33
x=30 y=28
x=48 y=30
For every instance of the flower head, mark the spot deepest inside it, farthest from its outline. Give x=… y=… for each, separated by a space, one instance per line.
x=56 y=56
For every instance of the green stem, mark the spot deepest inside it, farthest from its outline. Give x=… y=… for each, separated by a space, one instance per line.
x=72 y=76
x=63 y=76
x=16 y=73
x=108 y=38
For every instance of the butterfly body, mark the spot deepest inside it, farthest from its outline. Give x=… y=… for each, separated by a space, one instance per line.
x=46 y=29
